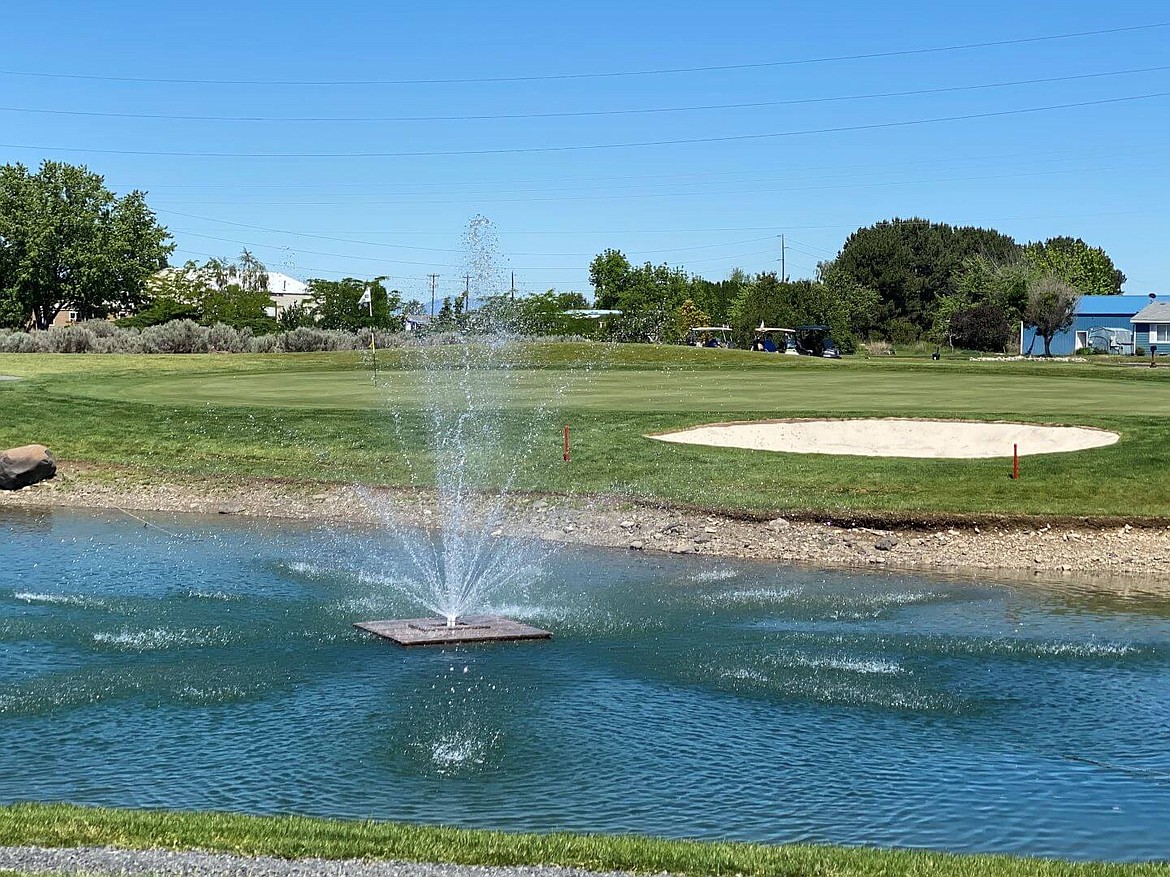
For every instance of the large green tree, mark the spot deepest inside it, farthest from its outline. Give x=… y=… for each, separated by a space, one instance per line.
x=1088 y=270
x=847 y=309
x=912 y=263
x=337 y=304
x=68 y=241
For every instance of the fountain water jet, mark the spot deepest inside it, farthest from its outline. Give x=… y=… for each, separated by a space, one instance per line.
x=482 y=436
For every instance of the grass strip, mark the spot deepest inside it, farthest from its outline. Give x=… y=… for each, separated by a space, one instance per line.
x=291 y=837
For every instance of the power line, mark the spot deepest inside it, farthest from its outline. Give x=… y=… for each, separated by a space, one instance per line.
x=428 y=249
x=516 y=150
x=702 y=193
x=864 y=56
x=588 y=113
x=746 y=176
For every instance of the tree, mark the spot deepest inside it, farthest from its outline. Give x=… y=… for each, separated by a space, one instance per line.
x=337 y=304
x=912 y=263
x=687 y=316
x=981 y=327
x=68 y=241
x=608 y=274
x=1052 y=306
x=1087 y=269
x=833 y=301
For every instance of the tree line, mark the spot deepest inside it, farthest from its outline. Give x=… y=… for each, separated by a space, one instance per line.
x=67 y=241
x=899 y=280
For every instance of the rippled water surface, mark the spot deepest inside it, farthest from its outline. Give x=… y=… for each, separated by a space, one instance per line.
x=680 y=697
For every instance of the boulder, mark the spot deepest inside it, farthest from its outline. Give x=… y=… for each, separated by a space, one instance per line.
x=27 y=465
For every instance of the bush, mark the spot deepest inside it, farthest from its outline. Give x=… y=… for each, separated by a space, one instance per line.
x=70 y=339
x=304 y=340
x=186 y=336
x=982 y=327
x=222 y=338
x=901 y=332
x=262 y=344
x=99 y=328
x=177 y=336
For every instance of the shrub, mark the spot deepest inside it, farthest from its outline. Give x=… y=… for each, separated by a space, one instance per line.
x=222 y=338
x=982 y=327
x=305 y=340
x=901 y=332
x=262 y=344
x=878 y=348
x=177 y=336
x=99 y=328
x=70 y=339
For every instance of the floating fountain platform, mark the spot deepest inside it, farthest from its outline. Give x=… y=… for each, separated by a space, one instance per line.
x=436 y=631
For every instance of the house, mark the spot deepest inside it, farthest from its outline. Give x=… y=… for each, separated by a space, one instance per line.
x=1103 y=322
x=286 y=292
x=1151 y=326
x=417 y=322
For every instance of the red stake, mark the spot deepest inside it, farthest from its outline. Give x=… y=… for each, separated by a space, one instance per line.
x=566 y=443
x=1016 y=462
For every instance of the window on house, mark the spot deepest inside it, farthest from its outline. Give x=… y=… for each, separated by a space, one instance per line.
x=73 y=316
x=1160 y=333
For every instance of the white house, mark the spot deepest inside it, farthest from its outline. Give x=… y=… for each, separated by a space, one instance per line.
x=1151 y=325
x=286 y=292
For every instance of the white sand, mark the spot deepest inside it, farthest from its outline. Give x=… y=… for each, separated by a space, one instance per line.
x=9 y=378
x=895 y=438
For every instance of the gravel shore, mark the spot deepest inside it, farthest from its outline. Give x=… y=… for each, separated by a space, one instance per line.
x=169 y=863
x=1119 y=558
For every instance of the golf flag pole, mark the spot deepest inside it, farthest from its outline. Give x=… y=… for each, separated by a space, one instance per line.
x=368 y=300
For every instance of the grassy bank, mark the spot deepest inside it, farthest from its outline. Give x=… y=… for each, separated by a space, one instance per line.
x=298 y=837
x=320 y=417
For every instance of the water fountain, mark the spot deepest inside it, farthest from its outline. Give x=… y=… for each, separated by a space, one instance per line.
x=481 y=436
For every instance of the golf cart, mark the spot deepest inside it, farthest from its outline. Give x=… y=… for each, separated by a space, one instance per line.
x=816 y=341
x=772 y=339
x=710 y=336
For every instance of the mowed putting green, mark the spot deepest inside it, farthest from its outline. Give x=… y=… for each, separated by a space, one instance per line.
x=777 y=391
x=321 y=417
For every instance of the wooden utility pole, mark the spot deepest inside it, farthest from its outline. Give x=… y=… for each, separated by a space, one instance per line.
x=466 y=291
x=433 y=277
x=513 y=286
x=783 y=269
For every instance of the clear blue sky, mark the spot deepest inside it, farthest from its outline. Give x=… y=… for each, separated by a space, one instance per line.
x=301 y=197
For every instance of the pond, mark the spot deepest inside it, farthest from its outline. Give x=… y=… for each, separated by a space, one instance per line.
x=218 y=669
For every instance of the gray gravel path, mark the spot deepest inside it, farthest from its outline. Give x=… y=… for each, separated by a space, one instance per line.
x=106 y=861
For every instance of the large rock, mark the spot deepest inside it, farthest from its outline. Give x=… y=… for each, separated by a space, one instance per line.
x=21 y=467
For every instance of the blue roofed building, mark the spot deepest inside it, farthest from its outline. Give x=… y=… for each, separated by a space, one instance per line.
x=1103 y=322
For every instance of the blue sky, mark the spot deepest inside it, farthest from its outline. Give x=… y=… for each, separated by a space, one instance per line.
x=388 y=185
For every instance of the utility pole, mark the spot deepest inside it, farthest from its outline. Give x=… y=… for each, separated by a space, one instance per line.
x=513 y=286
x=433 y=277
x=783 y=271
x=466 y=291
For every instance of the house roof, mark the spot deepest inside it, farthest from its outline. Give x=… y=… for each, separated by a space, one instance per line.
x=1111 y=305
x=1154 y=312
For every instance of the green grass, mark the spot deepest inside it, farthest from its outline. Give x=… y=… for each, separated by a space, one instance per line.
x=56 y=825
x=319 y=417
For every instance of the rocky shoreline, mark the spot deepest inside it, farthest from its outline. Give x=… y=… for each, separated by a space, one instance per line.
x=1120 y=558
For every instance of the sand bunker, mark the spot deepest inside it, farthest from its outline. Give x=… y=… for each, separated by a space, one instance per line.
x=894 y=438
x=9 y=378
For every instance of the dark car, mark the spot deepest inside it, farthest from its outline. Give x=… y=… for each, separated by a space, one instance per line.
x=816 y=341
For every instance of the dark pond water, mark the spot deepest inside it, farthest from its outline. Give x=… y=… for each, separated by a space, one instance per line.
x=681 y=697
